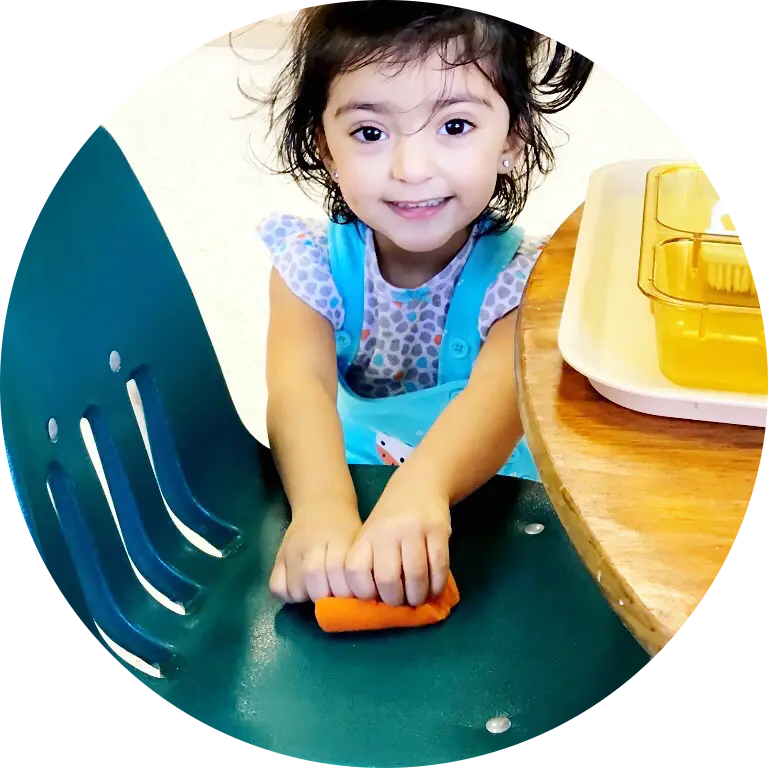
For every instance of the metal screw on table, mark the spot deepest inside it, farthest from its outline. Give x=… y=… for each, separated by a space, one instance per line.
x=498 y=725
x=533 y=528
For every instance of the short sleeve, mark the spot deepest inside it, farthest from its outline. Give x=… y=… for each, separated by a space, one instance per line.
x=504 y=295
x=298 y=249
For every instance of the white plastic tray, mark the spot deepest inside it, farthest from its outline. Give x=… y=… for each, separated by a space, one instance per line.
x=607 y=331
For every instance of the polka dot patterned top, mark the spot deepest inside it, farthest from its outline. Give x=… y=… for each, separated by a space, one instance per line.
x=402 y=329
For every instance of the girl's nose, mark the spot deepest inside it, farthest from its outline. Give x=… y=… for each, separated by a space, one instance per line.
x=412 y=162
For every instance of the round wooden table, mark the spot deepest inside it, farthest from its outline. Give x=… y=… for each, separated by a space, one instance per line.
x=652 y=505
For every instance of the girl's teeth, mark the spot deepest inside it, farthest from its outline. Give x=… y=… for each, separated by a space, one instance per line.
x=428 y=204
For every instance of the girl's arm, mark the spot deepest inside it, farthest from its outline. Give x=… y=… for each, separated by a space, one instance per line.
x=307 y=443
x=303 y=424
x=401 y=554
x=477 y=432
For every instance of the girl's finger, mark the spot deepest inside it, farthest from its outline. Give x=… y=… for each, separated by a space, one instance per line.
x=315 y=578
x=415 y=569
x=278 y=581
x=334 y=567
x=439 y=562
x=294 y=563
x=358 y=569
x=388 y=571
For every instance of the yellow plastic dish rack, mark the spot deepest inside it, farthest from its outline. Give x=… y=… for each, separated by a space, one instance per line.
x=709 y=326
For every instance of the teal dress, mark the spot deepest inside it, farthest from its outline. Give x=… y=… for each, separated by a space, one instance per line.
x=385 y=430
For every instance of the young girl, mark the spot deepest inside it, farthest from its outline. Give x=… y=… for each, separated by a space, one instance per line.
x=392 y=325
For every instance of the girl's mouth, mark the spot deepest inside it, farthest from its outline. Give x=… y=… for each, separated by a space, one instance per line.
x=421 y=209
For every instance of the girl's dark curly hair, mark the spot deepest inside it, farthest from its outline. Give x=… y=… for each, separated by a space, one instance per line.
x=533 y=74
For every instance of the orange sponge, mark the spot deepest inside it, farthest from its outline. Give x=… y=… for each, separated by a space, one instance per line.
x=348 y=614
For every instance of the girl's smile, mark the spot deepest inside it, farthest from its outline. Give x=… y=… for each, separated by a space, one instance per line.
x=423 y=209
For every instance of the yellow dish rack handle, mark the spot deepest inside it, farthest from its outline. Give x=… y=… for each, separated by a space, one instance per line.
x=729 y=272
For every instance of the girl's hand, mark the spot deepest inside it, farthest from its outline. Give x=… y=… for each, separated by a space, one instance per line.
x=310 y=563
x=401 y=553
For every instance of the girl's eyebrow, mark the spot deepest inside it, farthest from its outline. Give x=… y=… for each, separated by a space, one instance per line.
x=385 y=108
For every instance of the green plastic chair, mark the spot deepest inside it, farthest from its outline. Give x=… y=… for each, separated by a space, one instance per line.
x=100 y=300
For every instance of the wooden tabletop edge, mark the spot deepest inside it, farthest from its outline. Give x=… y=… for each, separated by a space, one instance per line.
x=649 y=632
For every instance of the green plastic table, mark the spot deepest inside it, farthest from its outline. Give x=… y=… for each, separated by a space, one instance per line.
x=100 y=300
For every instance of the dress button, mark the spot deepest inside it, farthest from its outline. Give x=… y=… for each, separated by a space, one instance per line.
x=343 y=340
x=459 y=348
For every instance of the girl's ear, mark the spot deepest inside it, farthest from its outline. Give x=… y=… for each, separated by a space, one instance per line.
x=322 y=150
x=513 y=147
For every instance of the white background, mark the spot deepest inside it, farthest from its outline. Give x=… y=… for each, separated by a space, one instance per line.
x=184 y=133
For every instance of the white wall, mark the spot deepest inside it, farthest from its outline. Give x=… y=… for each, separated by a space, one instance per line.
x=191 y=155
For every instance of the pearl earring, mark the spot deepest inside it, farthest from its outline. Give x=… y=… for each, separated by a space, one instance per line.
x=505 y=163
x=335 y=174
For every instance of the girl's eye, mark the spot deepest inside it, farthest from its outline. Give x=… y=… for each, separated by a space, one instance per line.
x=457 y=127
x=369 y=134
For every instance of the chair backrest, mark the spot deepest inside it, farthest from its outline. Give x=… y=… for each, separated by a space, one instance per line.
x=99 y=301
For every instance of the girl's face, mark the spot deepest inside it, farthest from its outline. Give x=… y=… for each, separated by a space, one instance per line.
x=417 y=150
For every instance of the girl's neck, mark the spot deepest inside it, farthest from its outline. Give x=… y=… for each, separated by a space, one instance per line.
x=404 y=269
